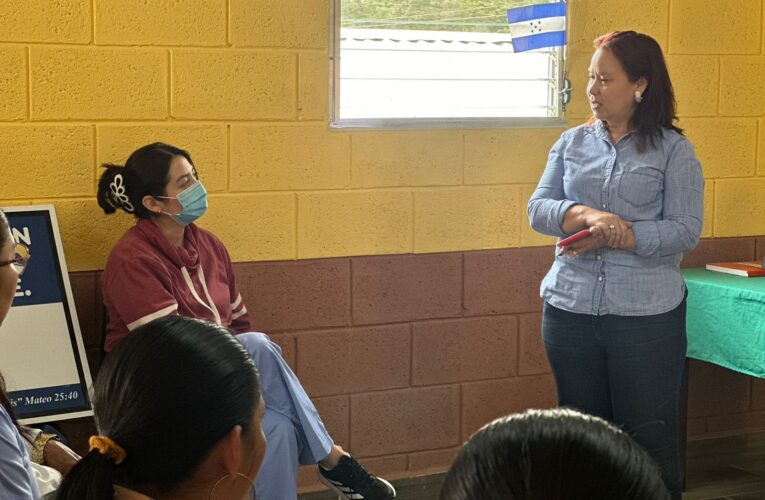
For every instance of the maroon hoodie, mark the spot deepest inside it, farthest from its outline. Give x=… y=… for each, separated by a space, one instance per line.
x=146 y=277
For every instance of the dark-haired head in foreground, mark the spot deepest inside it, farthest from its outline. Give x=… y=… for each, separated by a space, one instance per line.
x=178 y=408
x=552 y=455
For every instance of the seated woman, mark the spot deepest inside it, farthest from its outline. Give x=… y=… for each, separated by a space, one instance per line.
x=16 y=478
x=555 y=454
x=178 y=412
x=166 y=265
x=20 y=478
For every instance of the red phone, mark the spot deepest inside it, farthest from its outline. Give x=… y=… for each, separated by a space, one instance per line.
x=574 y=237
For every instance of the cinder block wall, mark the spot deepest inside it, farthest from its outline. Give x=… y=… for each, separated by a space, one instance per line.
x=326 y=226
x=243 y=85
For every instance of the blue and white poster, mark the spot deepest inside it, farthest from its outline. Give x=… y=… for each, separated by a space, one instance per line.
x=42 y=356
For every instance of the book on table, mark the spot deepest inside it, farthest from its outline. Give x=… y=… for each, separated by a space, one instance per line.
x=748 y=269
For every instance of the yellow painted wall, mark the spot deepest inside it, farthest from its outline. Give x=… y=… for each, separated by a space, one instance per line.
x=243 y=85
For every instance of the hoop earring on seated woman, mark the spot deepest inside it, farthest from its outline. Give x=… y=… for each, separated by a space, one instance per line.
x=234 y=476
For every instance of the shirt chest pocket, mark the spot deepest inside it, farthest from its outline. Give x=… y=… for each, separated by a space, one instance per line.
x=640 y=184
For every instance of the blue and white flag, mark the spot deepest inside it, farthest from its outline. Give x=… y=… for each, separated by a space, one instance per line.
x=538 y=26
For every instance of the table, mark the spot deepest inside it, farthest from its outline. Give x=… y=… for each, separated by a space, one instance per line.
x=725 y=325
x=726 y=320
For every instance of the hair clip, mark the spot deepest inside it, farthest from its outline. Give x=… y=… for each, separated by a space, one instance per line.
x=117 y=187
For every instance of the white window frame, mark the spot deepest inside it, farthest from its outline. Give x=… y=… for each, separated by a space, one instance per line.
x=335 y=122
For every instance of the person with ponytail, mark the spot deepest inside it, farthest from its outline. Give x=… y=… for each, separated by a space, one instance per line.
x=167 y=265
x=178 y=413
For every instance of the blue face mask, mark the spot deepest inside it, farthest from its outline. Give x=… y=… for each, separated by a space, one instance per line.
x=193 y=202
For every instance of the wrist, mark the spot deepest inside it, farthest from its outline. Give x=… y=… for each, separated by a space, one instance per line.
x=587 y=216
x=38 y=447
x=576 y=218
x=631 y=243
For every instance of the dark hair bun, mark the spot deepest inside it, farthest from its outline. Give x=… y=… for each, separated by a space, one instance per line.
x=112 y=190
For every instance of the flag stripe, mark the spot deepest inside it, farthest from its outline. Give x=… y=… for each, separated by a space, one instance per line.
x=552 y=39
x=536 y=12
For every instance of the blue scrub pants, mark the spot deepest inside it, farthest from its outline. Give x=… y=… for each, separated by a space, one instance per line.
x=294 y=431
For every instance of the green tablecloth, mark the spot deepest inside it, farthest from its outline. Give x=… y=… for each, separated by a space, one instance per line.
x=726 y=320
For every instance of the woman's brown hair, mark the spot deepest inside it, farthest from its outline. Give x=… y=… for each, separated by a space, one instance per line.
x=641 y=56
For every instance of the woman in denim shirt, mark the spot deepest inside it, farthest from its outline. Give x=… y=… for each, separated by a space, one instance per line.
x=17 y=480
x=614 y=314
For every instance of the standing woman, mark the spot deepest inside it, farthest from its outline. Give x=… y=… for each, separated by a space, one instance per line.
x=614 y=314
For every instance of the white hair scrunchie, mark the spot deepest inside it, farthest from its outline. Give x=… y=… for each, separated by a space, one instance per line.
x=117 y=187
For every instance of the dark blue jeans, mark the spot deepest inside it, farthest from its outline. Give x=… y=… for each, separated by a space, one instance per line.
x=625 y=369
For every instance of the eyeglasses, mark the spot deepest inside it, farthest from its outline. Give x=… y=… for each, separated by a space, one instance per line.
x=20 y=259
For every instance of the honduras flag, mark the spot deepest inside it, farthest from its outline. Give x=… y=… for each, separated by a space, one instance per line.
x=538 y=26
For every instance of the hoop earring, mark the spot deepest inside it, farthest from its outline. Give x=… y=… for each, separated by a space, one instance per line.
x=235 y=476
x=638 y=97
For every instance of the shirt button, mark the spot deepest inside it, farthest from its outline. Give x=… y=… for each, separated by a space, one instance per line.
x=600 y=278
x=599 y=257
x=605 y=206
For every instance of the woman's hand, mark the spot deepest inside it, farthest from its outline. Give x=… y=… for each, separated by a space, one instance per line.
x=614 y=231
x=581 y=216
x=608 y=230
x=58 y=456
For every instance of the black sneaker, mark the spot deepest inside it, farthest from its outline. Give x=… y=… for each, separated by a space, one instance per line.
x=351 y=481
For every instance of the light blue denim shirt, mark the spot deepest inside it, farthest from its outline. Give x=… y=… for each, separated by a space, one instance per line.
x=660 y=190
x=17 y=481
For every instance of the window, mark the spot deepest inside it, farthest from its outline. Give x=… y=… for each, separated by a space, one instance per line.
x=439 y=63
